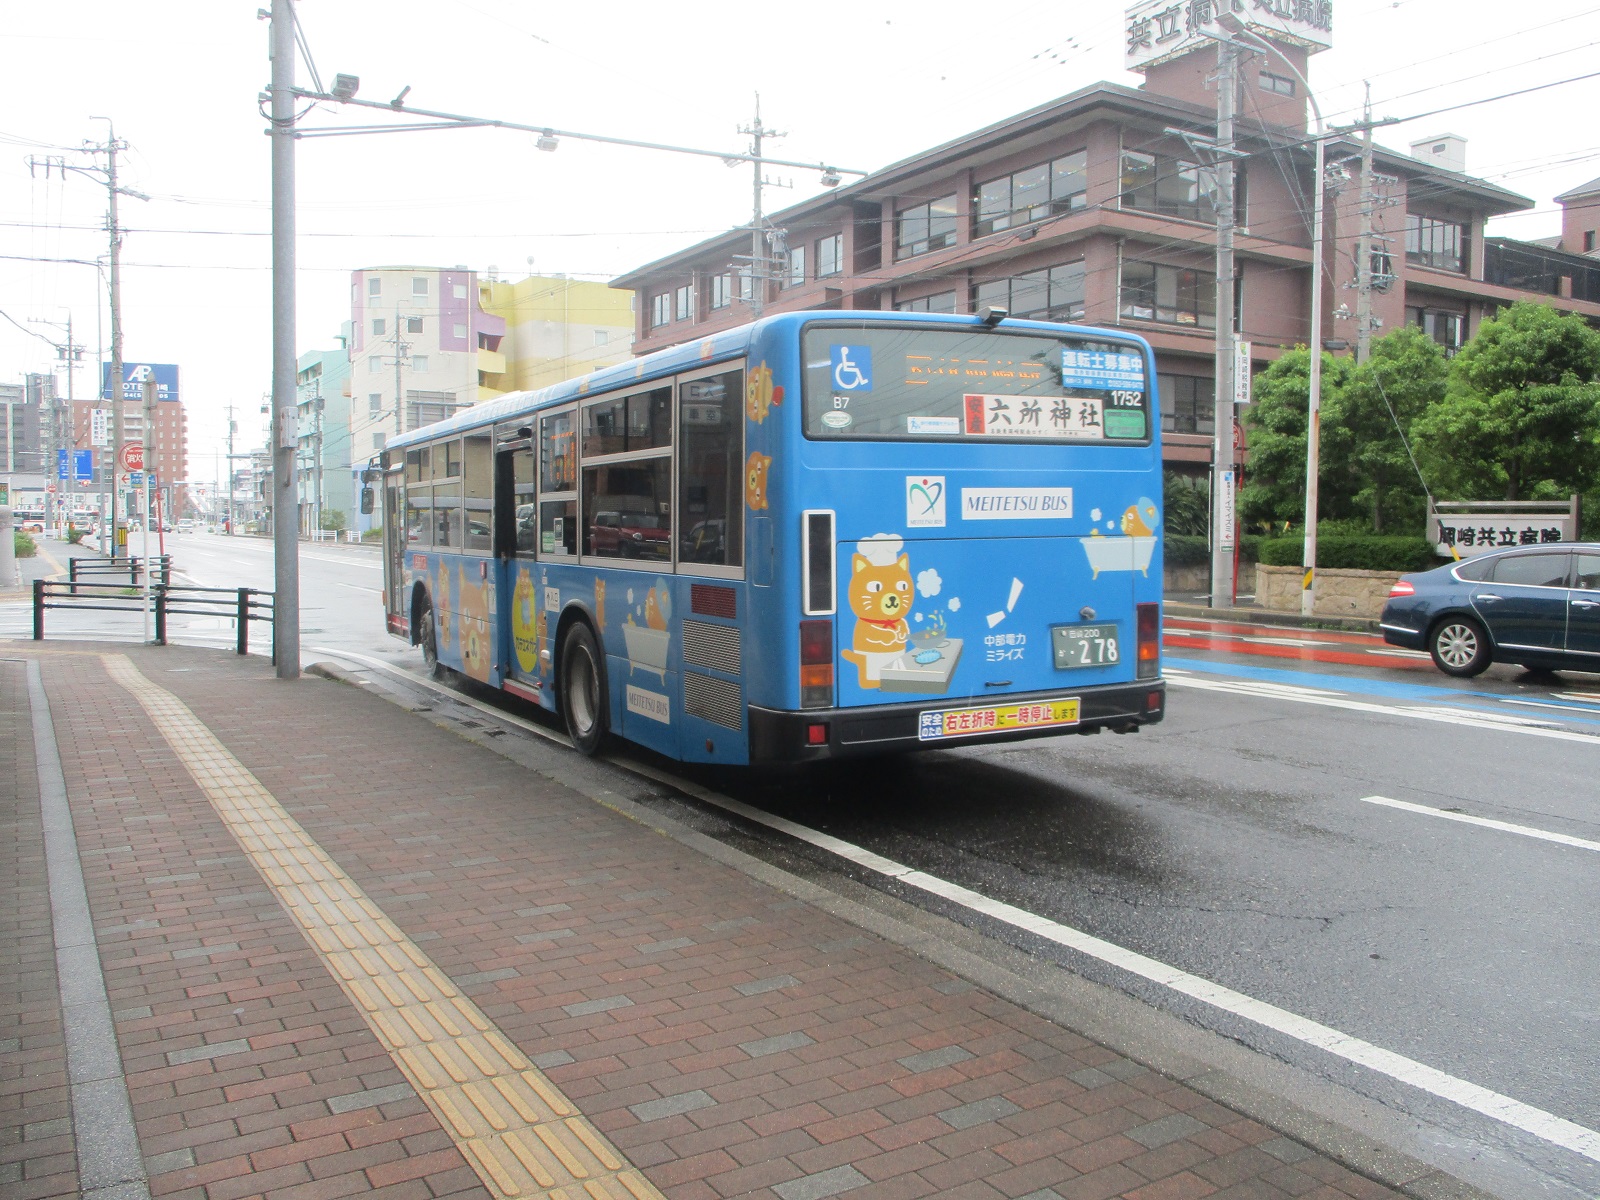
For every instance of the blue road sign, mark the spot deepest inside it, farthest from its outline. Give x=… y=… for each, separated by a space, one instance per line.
x=82 y=465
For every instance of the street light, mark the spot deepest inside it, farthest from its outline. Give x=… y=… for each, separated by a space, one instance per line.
x=1308 y=586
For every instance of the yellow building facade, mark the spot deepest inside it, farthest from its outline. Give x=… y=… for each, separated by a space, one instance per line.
x=556 y=328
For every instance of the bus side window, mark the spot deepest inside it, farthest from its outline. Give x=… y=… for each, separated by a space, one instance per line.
x=478 y=488
x=523 y=499
x=710 y=477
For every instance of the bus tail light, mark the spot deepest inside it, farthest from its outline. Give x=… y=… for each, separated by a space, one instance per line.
x=816 y=664
x=1149 y=652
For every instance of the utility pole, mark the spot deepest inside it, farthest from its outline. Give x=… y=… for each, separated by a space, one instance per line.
x=1223 y=534
x=401 y=353
x=285 y=517
x=146 y=468
x=1364 y=245
x=116 y=332
x=758 y=253
x=228 y=509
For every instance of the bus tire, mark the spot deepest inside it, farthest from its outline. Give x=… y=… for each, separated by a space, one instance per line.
x=1460 y=647
x=428 y=637
x=584 y=701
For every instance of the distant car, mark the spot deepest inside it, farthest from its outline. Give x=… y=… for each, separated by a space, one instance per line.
x=31 y=526
x=1538 y=606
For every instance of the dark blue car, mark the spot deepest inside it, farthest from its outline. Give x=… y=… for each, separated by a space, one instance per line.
x=1538 y=606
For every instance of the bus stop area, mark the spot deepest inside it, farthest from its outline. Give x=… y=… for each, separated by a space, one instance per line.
x=305 y=939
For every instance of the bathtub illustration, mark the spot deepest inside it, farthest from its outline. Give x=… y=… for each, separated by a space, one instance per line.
x=1119 y=554
x=647 y=648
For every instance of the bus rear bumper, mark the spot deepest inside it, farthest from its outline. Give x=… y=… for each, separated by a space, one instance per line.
x=828 y=733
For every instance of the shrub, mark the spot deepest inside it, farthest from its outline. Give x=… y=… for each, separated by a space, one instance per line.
x=1185 y=550
x=1350 y=553
x=24 y=544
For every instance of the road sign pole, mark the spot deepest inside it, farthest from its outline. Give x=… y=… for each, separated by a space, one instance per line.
x=144 y=469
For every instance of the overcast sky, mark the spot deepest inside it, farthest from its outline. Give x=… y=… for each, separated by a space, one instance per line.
x=859 y=84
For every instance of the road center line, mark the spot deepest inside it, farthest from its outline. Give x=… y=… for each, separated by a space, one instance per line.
x=1486 y=822
x=1544 y=1125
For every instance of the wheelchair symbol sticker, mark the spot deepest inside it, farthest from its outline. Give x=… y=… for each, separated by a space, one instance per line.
x=852 y=368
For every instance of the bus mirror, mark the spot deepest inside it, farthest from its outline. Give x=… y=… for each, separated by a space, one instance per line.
x=366 y=502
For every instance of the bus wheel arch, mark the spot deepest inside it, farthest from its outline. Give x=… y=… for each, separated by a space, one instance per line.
x=582 y=691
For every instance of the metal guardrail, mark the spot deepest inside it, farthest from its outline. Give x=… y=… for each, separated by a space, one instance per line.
x=243 y=605
x=133 y=567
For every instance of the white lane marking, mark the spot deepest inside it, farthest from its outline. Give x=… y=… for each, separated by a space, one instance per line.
x=1280 y=691
x=360 y=587
x=1486 y=822
x=1541 y=1124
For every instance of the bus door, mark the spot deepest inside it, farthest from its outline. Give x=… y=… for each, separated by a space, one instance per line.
x=517 y=525
x=394 y=541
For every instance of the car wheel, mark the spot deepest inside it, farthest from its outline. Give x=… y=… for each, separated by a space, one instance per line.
x=428 y=637
x=1460 y=647
x=584 y=704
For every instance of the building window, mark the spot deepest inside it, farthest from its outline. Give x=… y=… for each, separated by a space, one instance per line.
x=747 y=290
x=1443 y=327
x=721 y=291
x=413 y=324
x=601 y=337
x=419 y=285
x=459 y=330
x=660 y=309
x=1588 y=240
x=1281 y=85
x=1053 y=294
x=830 y=255
x=378 y=439
x=419 y=364
x=1046 y=190
x=458 y=291
x=940 y=302
x=374 y=287
x=374 y=403
x=683 y=303
x=1431 y=242
x=1169 y=186
x=1188 y=404
x=795 y=275
x=1170 y=295
x=379 y=327
x=374 y=365
x=925 y=227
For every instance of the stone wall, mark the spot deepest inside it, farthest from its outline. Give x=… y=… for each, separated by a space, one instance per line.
x=1184 y=580
x=1340 y=593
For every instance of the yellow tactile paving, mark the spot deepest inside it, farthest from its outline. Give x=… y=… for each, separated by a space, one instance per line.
x=521 y=1135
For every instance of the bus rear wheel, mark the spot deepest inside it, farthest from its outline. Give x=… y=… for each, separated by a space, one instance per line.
x=584 y=703
x=428 y=638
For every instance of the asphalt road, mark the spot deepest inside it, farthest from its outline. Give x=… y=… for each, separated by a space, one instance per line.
x=1245 y=842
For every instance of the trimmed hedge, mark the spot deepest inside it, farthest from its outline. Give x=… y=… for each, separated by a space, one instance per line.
x=1190 y=550
x=1348 y=553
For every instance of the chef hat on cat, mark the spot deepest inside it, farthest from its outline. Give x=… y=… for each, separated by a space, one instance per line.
x=881 y=549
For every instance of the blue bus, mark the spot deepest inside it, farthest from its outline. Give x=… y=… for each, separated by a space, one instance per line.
x=819 y=535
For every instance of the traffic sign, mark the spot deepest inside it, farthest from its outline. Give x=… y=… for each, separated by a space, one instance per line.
x=133 y=456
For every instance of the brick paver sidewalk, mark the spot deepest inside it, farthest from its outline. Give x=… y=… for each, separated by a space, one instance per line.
x=724 y=1037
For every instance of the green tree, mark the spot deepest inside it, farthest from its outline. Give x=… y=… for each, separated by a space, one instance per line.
x=1275 y=477
x=332 y=519
x=1363 y=451
x=1521 y=416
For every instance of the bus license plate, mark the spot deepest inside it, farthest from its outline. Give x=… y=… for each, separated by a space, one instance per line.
x=1004 y=718
x=1085 y=645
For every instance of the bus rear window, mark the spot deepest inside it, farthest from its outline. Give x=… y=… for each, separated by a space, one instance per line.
x=882 y=382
